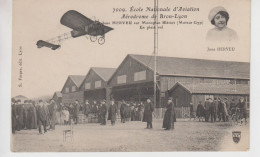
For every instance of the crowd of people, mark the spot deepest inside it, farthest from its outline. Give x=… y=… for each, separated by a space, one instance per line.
x=220 y=109
x=33 y=115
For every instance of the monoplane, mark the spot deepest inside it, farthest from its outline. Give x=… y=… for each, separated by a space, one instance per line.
x=81 y=25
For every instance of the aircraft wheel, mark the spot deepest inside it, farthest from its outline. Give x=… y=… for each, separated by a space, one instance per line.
x=93 y=38
x=101 y=40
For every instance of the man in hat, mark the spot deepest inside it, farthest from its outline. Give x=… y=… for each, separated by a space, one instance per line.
x=86 y=108
x=112 y=112
x=76 y=111
x=148 y=112
x=191 y=111
x=220 y=109
x=123 y=111
x=212 y=110
x=53 y=110
x=169 y=116
x=233 y=107
x=41 y=117
x=103 y=112
x=242 y=106
x=219 y=17
x=224 y=110
x=200 y=111
x=207 y=105
x=14 y=116
x=20 y=114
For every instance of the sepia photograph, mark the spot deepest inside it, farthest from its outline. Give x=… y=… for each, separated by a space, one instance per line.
x=130 y=76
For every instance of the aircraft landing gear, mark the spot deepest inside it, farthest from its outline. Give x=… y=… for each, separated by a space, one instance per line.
x=93 y=38
x=101 y=40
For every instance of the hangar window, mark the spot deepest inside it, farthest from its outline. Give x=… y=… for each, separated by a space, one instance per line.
x=87 y=85
x=73 y=88
x=138 y=76
x=121 y=79
x=97 y=84
x=67 y=90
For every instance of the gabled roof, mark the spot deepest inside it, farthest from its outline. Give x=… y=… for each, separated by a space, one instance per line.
x=77 y=79
x=195 y=67
x=104 y=73
x=205 y=88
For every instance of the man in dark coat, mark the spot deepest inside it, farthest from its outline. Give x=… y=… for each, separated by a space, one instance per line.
x=169 y=116
x=112 y=112
x=103 y=112
x=123 y=112
x=207 y=105
x=220 y=109
x=148 y=113
x=53 y=110
x=242 y=106
x=86 y=108
x=76 y=111
x=41 y=117
x=191 y=111
x=13 y=116
x=32 y=117
x=232 y=107
x=200 y=111
x=212 y=110
x=20 y=113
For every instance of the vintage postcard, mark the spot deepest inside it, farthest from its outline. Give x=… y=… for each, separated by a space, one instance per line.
x=130 y=76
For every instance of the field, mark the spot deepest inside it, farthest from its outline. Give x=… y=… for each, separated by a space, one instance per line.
x=131 y=136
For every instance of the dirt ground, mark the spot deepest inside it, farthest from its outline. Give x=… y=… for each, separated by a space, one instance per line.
x=131 y=136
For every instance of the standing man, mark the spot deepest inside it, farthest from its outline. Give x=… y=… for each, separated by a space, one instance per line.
x=123 y=112
x=112 y=112
x=215 y=102
x=103 y=112
x=33 y=116
x=220 y=109
x=13 y=115
x=20 y=111
x=207 y=105
x=87 y=108
x=53 y=110
x=41 y=117
x=225 y=107
x=191 y=111
x=200 y=111
x=212 y=111
x=242 y=106
x=169 y=116
x=148 y=113
x=76 y=111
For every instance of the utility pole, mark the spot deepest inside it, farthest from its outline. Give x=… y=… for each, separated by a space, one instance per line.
x=155 y=46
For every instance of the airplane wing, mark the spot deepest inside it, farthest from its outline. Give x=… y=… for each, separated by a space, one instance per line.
x=75 y=20
x=42 y=43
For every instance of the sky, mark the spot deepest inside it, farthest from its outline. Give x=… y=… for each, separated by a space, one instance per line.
x=45 y=71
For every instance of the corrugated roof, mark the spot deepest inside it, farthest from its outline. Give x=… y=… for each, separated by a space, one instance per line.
x=104 y=73
x=77 y=79
x=196 y=67
x=206 y=88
